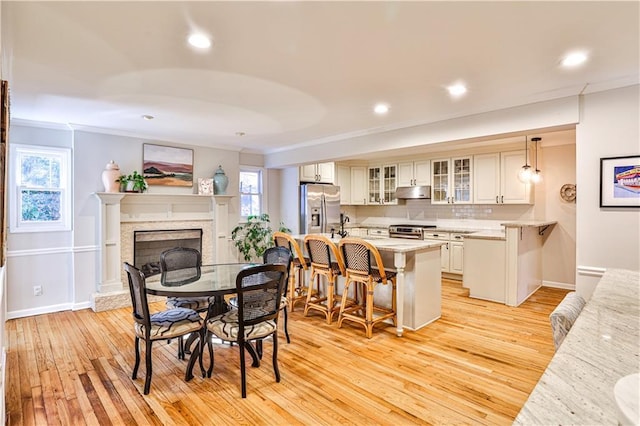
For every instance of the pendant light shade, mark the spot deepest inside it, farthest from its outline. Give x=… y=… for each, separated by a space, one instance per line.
x=524 y=175
x=536 y=175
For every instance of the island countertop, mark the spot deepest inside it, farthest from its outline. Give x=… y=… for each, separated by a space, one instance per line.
x=602 y=347
x=528 y=223
x=397 y=245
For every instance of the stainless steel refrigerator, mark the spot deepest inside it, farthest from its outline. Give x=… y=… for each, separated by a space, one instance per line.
x=319 y=208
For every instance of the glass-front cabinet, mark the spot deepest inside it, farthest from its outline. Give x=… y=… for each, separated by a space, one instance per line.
x=382 y=184
x=451 y=181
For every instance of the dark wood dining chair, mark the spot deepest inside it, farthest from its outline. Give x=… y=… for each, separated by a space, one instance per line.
x=259 y=291
x=182 y=258
x=164 y=325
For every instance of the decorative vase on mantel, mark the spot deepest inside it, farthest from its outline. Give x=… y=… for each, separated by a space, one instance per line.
x=220 y=182
x=110 y=175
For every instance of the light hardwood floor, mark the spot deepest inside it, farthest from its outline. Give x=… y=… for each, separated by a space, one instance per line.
x=476 y=365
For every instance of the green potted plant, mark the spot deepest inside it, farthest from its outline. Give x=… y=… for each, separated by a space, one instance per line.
x=133 y=182
x=254 y=236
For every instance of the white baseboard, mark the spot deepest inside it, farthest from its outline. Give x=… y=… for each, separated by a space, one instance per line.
x=41 y=310
x=555 y=284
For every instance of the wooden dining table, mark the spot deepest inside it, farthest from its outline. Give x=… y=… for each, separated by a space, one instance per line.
x=206 y=280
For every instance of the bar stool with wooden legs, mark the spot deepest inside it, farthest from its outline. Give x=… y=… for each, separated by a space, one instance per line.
x=297 y=288
x=357 y=254
x=321 y=251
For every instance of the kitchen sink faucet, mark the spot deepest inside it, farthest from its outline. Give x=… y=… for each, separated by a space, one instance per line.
x=343 y=219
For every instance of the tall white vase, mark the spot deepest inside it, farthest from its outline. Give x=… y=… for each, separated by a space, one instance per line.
x=109 y=175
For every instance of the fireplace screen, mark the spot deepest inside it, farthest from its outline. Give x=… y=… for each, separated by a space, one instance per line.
x=148 y=245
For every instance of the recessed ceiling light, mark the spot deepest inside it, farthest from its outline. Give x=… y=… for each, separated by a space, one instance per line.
x=199 y=40
x=574 y=59
x=381 y=109
x=148 y=117
x=457 y=89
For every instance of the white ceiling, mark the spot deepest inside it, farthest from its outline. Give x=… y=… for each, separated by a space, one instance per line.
x=288 y=73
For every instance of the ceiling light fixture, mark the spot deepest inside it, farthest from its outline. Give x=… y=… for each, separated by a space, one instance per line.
x=574 y=59
x=147 y=117
x=199 y=40
x=240 y=133
x=381 y=109
x=524 y=175
x=457 y=89
x=536 y=176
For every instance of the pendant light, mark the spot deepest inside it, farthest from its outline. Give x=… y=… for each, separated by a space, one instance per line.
x=536 y=176
x=524 y=175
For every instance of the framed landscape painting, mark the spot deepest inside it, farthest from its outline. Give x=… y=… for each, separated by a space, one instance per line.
x=166 y=165
x=620 y=181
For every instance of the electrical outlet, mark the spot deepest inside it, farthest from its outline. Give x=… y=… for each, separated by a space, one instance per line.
x=37 y=290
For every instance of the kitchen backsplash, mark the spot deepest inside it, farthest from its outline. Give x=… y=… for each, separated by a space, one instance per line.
x=424 y=210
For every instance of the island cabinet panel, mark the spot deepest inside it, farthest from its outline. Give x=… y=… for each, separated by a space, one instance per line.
x=486 y=258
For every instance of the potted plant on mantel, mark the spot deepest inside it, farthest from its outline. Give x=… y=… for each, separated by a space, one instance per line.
x=133 y=182
x=255 y=236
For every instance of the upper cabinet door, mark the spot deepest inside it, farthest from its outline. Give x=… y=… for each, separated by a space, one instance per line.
x=512 y=190
x=440 y=181
x=486 y=178
x=358 y=185
x=422 y=173
x=462 y=181
x=343 y=180
x=405 y=174
x=326 y=172
x=308 y=173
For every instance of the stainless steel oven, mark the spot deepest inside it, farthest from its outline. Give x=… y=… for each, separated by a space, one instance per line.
x=414 y=232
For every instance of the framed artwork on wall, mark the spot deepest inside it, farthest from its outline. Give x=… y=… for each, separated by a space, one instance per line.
x=620 y=181
x=166 y=165
x=205 y=186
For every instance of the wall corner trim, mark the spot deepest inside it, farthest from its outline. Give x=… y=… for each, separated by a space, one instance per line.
x=591 y=271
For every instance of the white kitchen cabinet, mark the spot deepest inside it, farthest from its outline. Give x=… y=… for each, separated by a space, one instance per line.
x=452 y=181
x=381 y=184
x=495 y=179
x=378 y=232
x=487 y=259
x=358 y=185
x=451 y=253
x=318 y=172
x=343 y=180
x=414 y=173
x=357 y=232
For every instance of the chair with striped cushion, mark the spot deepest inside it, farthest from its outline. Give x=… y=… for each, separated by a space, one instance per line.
x=326 y=261
x=259 y=290
x=297 y=289
x=163 y=325
x=364 y=267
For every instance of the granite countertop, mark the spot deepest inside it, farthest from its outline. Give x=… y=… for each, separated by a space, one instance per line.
x=398 y=245
x=603 y=346
x=528 y=223
x=487 y=235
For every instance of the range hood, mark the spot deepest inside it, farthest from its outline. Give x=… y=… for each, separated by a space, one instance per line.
x=413 y=192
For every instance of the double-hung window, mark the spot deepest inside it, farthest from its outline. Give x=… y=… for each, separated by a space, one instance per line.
x=40 y=186
x=251 y=192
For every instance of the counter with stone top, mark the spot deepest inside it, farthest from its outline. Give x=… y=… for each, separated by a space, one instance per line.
x=602 y=347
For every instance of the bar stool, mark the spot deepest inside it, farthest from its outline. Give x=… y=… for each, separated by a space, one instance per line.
x=297 y=288
x=357 y=254
x=321 y=250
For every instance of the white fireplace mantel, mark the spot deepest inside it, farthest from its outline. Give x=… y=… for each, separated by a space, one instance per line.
x=118 y=209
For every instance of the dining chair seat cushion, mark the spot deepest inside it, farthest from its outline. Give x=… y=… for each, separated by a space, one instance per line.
x=171 y=323
x=195 y=303
x=225 y=326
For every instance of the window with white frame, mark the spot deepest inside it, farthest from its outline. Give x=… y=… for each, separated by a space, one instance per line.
x=251 y=192
x=40 y=186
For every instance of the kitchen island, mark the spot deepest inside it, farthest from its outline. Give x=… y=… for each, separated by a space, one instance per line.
x=418 y=280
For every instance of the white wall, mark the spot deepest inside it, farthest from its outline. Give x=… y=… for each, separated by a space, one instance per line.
x=606 y=237
x=66 y=264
